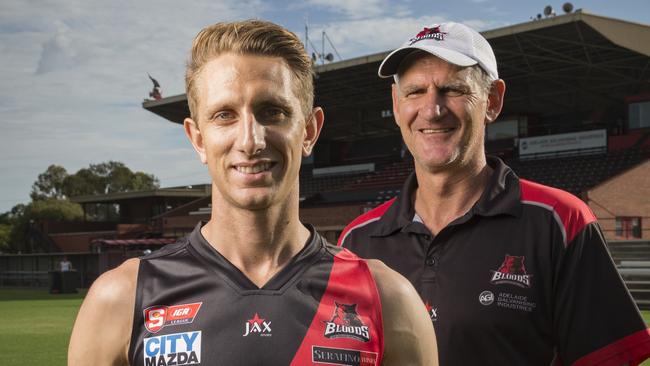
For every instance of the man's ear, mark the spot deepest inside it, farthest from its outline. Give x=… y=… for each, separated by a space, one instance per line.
x=196 y=138
x=313 y=126
x=495 y=101
x=395 y=94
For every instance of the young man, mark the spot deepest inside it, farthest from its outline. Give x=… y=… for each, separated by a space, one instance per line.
x=253 y=286
x=512 y=272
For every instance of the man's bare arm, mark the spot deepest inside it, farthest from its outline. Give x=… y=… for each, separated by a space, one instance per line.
x=408 y=333
x=102 y=331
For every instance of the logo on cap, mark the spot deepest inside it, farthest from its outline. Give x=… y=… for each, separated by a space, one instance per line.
x=429 y=33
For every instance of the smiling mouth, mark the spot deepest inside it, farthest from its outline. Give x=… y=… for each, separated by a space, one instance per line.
x=429 y=131
x=254 y=169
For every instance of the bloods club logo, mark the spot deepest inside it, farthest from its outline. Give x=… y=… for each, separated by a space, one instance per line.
x=258 y=326
x=429 y=33
x=156 y=317
x=173 y=349
x=345 y=323
x=512 y=271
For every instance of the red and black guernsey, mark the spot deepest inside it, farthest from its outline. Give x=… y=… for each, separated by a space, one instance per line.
x=193 y=307
x=524 y=278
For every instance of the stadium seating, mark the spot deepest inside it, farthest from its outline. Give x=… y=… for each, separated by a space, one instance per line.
x=632 y=259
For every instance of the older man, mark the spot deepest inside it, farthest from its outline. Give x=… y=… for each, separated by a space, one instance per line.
x=512 y=272
x=253 y=286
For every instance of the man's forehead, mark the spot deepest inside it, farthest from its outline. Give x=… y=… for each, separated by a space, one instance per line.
x=428 y=65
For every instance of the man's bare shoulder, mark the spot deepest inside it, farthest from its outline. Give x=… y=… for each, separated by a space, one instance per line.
x=408 y=333
x=390 y=283
x=112 y=293
x=116 y=285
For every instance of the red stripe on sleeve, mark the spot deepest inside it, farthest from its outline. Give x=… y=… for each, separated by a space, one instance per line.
x=632 y=349
x=350 y=282
x=367 y=217
x=572 y=213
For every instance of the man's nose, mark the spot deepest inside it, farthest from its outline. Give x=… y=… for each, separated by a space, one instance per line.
x=433 y=106
x=251 y=135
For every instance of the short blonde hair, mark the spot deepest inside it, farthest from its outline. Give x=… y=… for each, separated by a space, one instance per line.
x=251 y=37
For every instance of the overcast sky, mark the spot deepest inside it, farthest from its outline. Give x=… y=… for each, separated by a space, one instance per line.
x=73 y=73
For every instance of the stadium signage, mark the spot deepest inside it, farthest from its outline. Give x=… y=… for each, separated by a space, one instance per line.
x=173 y=349
x=563 y=142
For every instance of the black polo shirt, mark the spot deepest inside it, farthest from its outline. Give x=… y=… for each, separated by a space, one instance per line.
x=523 y=278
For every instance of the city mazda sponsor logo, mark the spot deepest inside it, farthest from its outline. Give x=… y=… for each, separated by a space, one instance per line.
x=173 y=349
x=156 y=317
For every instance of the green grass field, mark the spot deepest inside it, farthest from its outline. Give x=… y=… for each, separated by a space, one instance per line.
x=36 y=326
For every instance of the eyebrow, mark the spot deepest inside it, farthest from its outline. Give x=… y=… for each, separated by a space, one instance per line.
x=267 y=99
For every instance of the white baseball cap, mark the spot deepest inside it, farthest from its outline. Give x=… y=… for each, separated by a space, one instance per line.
x=455 y=43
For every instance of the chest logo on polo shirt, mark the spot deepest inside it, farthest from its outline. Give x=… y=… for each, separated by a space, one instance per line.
x=433 y=312
x=257 y=326
x=156 y=317
x=512 y=271
x=345 y=323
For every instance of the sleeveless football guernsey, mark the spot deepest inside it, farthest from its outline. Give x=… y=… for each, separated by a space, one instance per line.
x=193 y=307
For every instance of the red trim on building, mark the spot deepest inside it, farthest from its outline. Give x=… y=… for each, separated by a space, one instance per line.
x=375 y=213
x=127 y=242
x=632 y=349
x=350 y=282
x=573 y=213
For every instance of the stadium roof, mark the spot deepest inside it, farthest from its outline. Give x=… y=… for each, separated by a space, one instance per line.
x=555 y=68
x=197 y=191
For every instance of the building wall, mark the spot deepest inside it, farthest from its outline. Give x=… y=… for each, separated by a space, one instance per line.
x=180 y=225
x=626 y=195
x=329 y=221
x=78 y=242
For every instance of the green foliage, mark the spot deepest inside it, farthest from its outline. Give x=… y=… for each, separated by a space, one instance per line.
x=55 y=210
x=5 y=237
x=49 y=184
x=50 y=209
x=49 y=199
x=108 y=177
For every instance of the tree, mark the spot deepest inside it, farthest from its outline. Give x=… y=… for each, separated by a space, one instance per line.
x=49 y=184
x=107 y=177
x=48 y=209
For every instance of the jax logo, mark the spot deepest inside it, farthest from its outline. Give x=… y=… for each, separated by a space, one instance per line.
x=512 y=271
x=433 y=312
x=258 y=326
x=429 y=33
x=156 y=317
x=173 y=349
x=345 y=323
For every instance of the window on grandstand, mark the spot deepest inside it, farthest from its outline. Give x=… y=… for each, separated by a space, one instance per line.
x=639 y=115
x=628 y=227
x=505 y=129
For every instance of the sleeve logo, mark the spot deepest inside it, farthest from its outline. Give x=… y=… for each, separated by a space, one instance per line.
x=156 y=317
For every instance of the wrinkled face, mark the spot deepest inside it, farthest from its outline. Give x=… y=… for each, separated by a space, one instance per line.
x=441 y=113
x=251 y=131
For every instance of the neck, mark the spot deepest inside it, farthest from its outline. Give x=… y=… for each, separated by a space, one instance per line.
x=445 y=195
x=258 y=242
